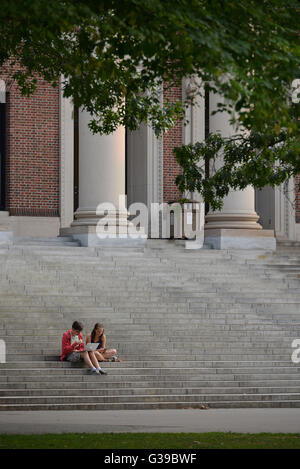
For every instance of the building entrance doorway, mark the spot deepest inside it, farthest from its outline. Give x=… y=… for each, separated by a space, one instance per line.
x=2 y=152
x=76 y=159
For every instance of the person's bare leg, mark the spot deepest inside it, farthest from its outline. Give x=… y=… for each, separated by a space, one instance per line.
x=86 y=359
x=99 y=356
x=110 y=353
x=94 y=360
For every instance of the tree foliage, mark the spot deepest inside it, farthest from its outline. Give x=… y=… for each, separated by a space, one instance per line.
x=109 y=50
x=115 y=56
x=257 y=159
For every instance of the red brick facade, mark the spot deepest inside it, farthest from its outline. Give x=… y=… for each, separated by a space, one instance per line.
x=171 y=139
x=32 y=151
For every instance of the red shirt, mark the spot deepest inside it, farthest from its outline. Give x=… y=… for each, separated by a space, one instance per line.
x=66 y=346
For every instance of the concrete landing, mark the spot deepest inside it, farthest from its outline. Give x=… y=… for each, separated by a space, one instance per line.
x=162 y=421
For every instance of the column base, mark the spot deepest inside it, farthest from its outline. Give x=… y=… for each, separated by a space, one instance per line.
x=6 y=235
x=244 y=220
x=107 y=227
x=89 y=236
x=240 y=239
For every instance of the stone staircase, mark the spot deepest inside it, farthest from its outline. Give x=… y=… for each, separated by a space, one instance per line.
x=194 y=329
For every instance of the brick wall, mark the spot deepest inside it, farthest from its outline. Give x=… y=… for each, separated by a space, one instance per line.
x=171 y=139
x=32 y=154
x=32 y=151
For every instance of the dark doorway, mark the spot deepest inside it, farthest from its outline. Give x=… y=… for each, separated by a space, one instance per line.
x=2 y=153
x=76 y=159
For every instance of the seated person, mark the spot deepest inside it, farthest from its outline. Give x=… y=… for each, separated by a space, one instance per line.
x=98 y=336
x=73 y=349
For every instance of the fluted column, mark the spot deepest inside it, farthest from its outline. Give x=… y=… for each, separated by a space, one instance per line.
x=101 y=169
x=236 y=224
x=101 y=188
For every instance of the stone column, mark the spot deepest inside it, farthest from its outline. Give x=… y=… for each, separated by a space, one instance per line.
x=102 y=189
x=194 y=131
x=66 y=162
x=236 y=225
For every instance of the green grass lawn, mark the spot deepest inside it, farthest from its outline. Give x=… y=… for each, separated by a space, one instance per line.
x=152 y=441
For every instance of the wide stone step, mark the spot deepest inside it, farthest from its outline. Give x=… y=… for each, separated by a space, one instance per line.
x=108 y=383
x=167 y=313
x=184 y=323
x=144 y=398
x=262 y=350
x=90 y=391
x=142 y=331
x=202 y=320
x=147 y=362
x=162 y=373
x=42 y=294
x=25 y=357
x=168 y=346
x=119 y=330
x=39 y=244
x=147 y=406
x=27 y=335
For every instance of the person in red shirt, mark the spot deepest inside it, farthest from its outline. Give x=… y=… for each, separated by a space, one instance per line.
x=73 y=349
